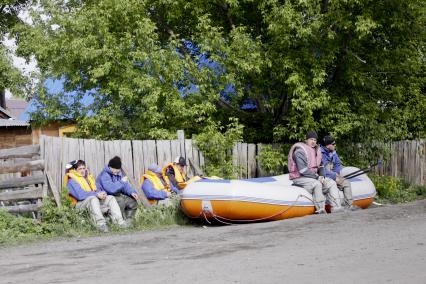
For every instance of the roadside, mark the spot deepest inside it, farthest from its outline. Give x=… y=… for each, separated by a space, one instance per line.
x=377 y=245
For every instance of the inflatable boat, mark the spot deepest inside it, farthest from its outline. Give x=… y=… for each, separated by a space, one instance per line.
x=261 y=199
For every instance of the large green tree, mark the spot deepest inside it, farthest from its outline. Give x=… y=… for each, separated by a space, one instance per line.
x=354 y=68
x=10 y=77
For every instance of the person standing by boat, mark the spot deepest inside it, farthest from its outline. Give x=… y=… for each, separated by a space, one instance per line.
x=85 y=195
x=333 y=167
x=157 y=188
x=176 y=172
x=112 y=181
x=307 y=171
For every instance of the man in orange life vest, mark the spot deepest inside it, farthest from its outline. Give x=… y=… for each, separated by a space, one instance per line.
x=176 y=172
x=306 y=170
x=157 y=188
x=85 y=195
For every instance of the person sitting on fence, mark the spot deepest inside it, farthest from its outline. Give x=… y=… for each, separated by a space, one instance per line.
x=85 y=195
x=157 y=187
x=176 y=172
x=112 y=181
x=306 y=170
x=333 y=167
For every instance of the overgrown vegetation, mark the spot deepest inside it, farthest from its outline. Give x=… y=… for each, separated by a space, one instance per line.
x=216 y=143
x=395 y=190
x=68 y=222
x=273 y=160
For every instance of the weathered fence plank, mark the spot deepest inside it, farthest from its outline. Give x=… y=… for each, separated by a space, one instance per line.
x=181 y=139
x=94 y=155
x=189 y=156
x=164 y=154
x=22 y=166
x=260 y=171
x=407 y=160
x=21 y=182
x=22 y=194
x=56 y=191
x=251 y=160
x=243 y=160
x=20 y=152
x=23 y=208
x=175 y=150
x=138 y=160
x=149 y=152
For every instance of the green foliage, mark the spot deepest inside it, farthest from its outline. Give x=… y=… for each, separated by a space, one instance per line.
x=68 y=222
x=216 y=143
x=160 y=216
x=65 y=221
x=273 y=160
x=395 y=190
x=354 y=68
x=363 y=154
x=10 y=76
x=14 y=228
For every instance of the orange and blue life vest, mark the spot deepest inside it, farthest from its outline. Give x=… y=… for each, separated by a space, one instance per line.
x=86 y=183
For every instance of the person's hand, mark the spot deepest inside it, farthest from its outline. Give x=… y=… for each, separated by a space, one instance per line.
x=321 y=179
x=135 y=195
x=102 y=195
x=125 y=179
x=339 y=179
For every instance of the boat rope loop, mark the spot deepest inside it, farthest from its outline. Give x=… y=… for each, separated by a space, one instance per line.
x=224 y=219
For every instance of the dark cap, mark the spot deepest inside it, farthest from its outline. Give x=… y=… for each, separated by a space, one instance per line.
x=180 y=160
x=115 y=163
x=311 y=134
x=328 y=139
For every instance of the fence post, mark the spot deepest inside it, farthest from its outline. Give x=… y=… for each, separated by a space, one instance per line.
x=181 y=138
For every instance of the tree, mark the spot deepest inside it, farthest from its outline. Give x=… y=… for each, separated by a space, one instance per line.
x=10 y=77
x=354 y=68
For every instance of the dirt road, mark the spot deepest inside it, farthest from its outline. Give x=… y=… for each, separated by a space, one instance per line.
x=378 y=245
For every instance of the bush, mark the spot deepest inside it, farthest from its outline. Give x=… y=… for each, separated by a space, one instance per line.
x=394 y=190
x=216 y=145
x=274 y=160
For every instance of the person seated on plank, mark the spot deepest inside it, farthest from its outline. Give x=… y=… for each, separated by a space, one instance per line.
x=112 y=181
x=307 y=171
x=176 y=172
x=157 y=188
x=333 y=168
x=85 y=195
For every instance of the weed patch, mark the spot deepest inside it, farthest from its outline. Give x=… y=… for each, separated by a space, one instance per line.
x=395 y=190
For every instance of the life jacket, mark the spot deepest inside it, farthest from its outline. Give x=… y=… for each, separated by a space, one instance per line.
x=157 y=183
x=180 y=176
x=313 y=155
x=87 y=184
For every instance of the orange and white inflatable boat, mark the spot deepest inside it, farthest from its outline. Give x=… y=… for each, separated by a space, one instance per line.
x=261 y=199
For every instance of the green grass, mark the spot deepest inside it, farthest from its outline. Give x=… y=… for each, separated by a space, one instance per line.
x=68 y=222
x=395 y=190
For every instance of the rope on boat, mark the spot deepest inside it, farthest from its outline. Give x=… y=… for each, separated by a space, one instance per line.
x=218 y=218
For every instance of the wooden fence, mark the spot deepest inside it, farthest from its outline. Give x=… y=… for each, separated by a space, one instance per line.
x=23 y=183
x=136 y=155
x=408 y=161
